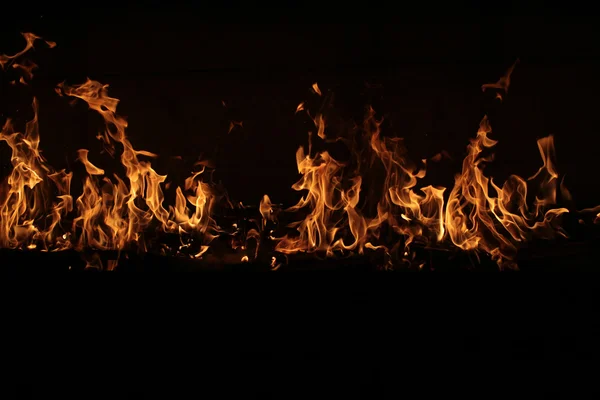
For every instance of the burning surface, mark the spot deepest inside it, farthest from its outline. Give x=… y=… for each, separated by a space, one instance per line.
x=335 y=216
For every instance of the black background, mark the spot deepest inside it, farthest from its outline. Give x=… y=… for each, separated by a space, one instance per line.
x=172 y=65
x=307 y=336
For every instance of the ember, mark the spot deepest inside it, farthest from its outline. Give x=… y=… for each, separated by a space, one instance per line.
x=116 y=221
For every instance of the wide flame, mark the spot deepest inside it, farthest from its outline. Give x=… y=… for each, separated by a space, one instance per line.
x=334 y=215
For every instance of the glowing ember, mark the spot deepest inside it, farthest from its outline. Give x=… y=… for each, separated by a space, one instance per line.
x=332 y=218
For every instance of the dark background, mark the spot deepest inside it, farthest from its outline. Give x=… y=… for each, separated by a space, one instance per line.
x=172 y=65
x=344 y=337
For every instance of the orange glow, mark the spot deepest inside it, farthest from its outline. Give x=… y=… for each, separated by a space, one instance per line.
x=333 y=216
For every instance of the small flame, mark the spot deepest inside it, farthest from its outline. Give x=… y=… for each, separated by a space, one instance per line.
x=503 y=83
x=315 y=88
x=266 y=210
x=30 y=38
x=233 y=124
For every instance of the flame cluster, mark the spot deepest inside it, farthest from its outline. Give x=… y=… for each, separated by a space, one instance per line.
x=37 y=210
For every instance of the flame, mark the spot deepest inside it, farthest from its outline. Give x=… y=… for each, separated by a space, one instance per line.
x=475 y=219
x=266 y=210
x=503 y=83
x=330 y=207
x=117 y=214
x=408 y=213
x=593 y=210
x=30 y=38
x=233 y=124
x=202 y=199
x=315 y=88
x=142 y=200
x=372 y=202
x=26 y=66
x=24 y=193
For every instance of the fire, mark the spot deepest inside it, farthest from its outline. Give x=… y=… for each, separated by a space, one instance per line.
x=335 y=215
x=502 y=84
x=475 y=219
x=30 y=38
x=27 y=216
x=330 y=206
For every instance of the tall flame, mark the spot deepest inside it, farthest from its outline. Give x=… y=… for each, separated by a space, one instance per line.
x=475 y=219
x=117 y=214
x=24 y=193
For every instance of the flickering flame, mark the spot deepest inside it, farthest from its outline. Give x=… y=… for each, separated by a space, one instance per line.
x=329 y=206
x=316 y=89
x=475 y=219
x=30 y=38
x=233 y=124
x=502 y=84
x=266 y=210
x=24 y=200
x=335 y=215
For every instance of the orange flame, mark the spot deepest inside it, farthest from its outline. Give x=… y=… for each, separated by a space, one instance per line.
x=23 y=195
x=503 y=83
x=27 y=66
x=474 y=217
x=117 y=214
x=114 y=213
